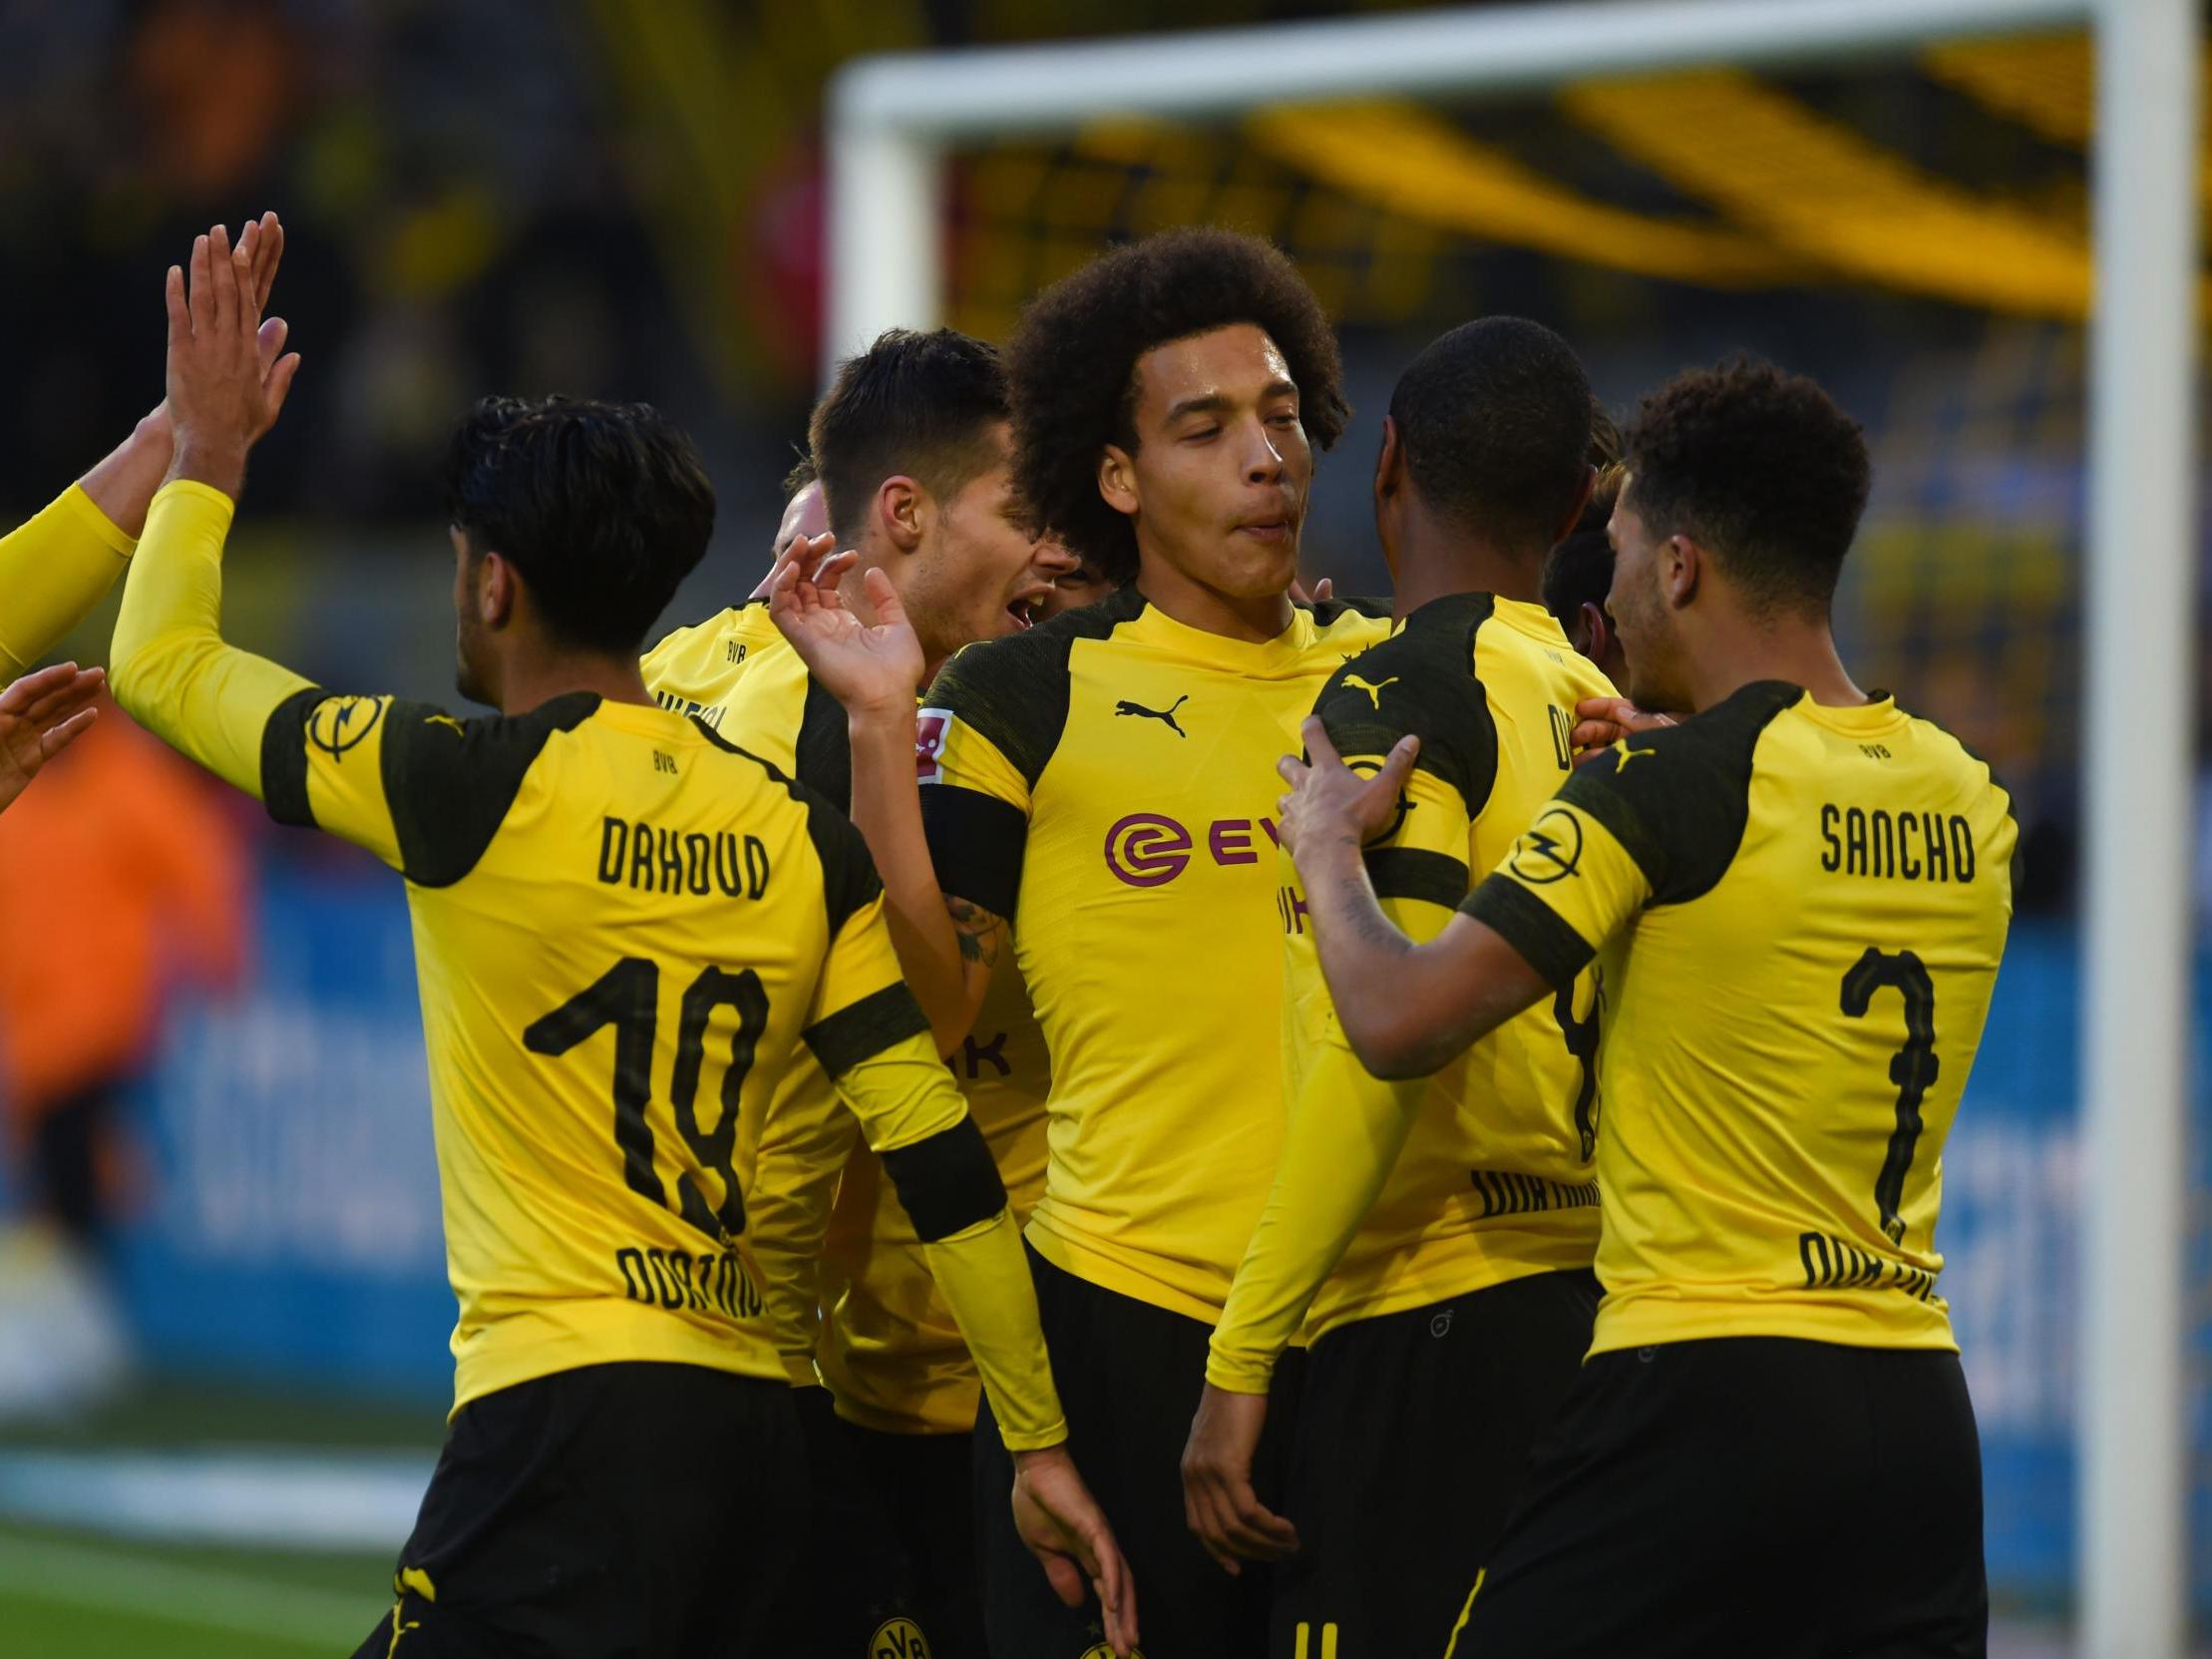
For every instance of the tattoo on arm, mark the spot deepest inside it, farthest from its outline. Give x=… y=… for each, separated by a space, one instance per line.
x=981 y=932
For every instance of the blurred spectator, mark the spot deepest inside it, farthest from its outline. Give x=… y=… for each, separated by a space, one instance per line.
x=120 y=880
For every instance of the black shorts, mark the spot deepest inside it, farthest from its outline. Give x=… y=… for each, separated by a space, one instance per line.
x=1415 y=1435
x=1129 y=1376
x=625 y=1508
x=1747 y=1495
x=887 y=1568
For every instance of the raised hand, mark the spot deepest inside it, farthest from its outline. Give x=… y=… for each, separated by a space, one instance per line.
x=805 y=552
x=1218 y=1502
x=1066 y=1531
x=225 y=385
x=1599 y=722
x=1330 y=802
x=41 y=715
x=870 y=669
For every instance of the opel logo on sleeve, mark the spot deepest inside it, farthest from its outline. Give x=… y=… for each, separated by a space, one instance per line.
x=337 y=724
x=1549 y=849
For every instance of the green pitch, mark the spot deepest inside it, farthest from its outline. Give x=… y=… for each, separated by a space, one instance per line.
x=80 y=1594
x=73 y=1596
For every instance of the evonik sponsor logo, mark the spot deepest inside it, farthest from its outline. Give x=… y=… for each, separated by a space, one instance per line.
x=1151 y=849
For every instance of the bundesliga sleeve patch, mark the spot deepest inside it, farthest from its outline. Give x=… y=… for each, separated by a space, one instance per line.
x=931 y=727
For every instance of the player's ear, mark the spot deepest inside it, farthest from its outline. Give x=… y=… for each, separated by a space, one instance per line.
x=496 y=588
x=1117 y=478
x=1592 y=630
x=1681 y=565
x=1390 y=461
x=901 y=507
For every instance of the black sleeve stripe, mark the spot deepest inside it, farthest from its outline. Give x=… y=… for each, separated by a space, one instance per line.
x=977 y=842
x=1531 y=926
x=947 y=1182
x=449 y=784
x=1417 y=873
x=879 y=1021
x=285 y=759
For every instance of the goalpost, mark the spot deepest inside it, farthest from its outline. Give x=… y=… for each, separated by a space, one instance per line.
x=890 y=119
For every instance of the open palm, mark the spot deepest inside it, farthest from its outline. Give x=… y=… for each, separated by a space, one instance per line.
x=41 y=715
x=865 y=666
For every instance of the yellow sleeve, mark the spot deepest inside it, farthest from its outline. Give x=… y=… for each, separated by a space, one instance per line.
x=974 y=799
x=1346 y=1128
x=1568 y=885
x=873 y=1040
x=420 y=789
x=805 y=1143
x=53 y=570
x=168 y=666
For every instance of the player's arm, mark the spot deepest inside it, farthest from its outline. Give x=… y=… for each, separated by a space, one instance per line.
x=871 y=1038
x=1408 y=1009
x=171 y=668
x=58 y=566
x=805 y=1142
x=1345 y=1127
x=948 y=942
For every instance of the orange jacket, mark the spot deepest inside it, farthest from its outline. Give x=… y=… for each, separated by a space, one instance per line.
x=119 y=874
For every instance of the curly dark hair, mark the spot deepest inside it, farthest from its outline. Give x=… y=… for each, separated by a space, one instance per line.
x=1762 y=468
x=602 y=507
x=803 y=471
x=1494 y=419
x=1073 y=359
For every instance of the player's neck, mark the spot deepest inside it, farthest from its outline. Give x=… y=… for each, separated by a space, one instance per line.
x=1167 y=590
x=528 y=683
x=1799 y=651
x=1436 y=560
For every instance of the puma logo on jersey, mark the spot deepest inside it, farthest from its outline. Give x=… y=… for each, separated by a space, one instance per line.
x=1165 y=716
x=1628 y=755
x=1374 y=692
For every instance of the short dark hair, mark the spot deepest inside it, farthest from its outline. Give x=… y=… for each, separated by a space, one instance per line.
x=1762 y=468
x=1494 y=417
x=603 y=508
x=1579 y=570
x=801 y=474
x=923 y=404
x=1073 y=361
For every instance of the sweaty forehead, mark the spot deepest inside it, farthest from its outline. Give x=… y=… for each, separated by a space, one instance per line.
x=1238 y=363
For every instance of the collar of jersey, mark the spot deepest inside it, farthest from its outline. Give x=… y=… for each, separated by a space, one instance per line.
x=1284 y=653
x=1530 y=619
x=640 y=717
x=1852 y=719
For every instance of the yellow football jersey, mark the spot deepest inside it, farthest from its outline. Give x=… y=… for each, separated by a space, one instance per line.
x=1799 y=912
x=53 y=568
x=1429 y=1189
x=626 y=932
x=849 y=1288
x=1106 y=782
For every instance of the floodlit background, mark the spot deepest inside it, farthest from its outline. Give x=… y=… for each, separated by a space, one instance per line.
x=216 y=1415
